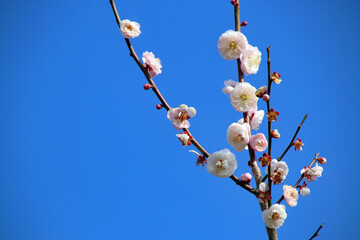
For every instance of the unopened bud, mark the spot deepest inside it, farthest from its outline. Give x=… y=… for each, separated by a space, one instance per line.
x=322 y=160
x=275 y=133
x=158 y=106
x=261 y=91
x=246 y=177
x=244 y=23
x=147 y=86
x=266 y=97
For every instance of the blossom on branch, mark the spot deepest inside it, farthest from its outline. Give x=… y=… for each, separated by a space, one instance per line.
x=238 y=136
x=298 y=144
x=129 y=29
x=279 y=171
x=265 y=160
x=275 y=77
x=272 y=115
x=275 y=216
x=275 y=133
x=255 y=119
x=258 y=142
x=185 y=138
x=310 y=174
x=264 y=194
x=246 y=177
x=180 y=116
x=304 y=191
x=229 y=86
x=321 y=160
x=290 y=195
x=221 y=163
x=250 y=60
x=243 y=97
x=231 y=44
x=151 y=63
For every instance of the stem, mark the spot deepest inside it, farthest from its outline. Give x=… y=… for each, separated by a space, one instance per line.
x=268 y=110
x=238 y=29
x=163 y=101
x=317 y=232
x=301 y=177
x=244 y=185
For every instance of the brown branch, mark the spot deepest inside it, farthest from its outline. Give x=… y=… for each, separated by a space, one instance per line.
x=317 y=232
x=165 y=104
x=238 y=29
x=268 y=110
x=301 y=177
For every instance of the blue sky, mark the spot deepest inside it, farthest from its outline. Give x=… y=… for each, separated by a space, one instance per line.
x=84 y=154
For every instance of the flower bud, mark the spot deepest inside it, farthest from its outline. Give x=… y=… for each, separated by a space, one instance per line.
x=304 y=191
x=261 y=91
x=244 y=23
x=147 y=86
x=158 y=106
x=266 y=97
x=275 y=133
x=246 y=177
x=322 y=160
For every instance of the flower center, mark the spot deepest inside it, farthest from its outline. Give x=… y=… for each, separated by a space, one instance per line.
x=129 y=27
x=232 y=45
x=275 y=216
x=183 y=116
x=237 y=139
x=222 y=164
x=244 y=97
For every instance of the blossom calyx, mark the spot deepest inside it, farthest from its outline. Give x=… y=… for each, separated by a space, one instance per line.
x=265 y=160
x=272 y=115
x=185 y=138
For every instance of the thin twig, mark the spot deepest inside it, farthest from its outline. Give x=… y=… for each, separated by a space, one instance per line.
x=238 y=29
x=268 y=110
x=301 y=177
x=166 y=105
x=317 y=232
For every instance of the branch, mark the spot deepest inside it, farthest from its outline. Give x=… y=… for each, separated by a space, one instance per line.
x=317 y=232
x=166 y=105
x=238 y=29
x=301 y=177
x=268 y=110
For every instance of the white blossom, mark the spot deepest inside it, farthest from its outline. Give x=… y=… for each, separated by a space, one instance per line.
x=243 y=97
x=290 y=195
x=180 y=116
x=231 y=44
x=279 y=171
x=151 y=63
x=184 y=138
x=311 y=174
x=238 y=136
x=129 y=29
x=304 y=191
x=221 y=163
x=255 y=119
x=275 y=216
x=250 y=60
x=229 y=86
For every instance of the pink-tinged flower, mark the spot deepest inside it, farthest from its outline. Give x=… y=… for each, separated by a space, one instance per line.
x=229 y=86
x=304 y=191
x=255 y=119
x=222 y=163
x=272 y=115
x=322 y=160
x=298 y=144
x=250 y=60
x=180 y=116
x=290 y=195
x=275 y=77
x=310 y=174
x=243 y=97
x=185 y=138
x=264 y=195
x=231 y=44
x=279 y=171
x=238 y=136
x=275 y=216
x=246 y=177
x=275 y=133
x=258 y=142
x=151 y=63
x=265 y=160
x=129 y=29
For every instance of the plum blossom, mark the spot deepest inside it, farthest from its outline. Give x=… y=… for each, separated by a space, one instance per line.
x=250 y=60
x=221 y=163
x=310 y=174
x=151 y=63
x=129 y=29
x=272 y=115
x=243 y=97
x=304 y=191
x=246 y=177
x=321 y=160
x=263 y=192
x=238 y=135
x=229 y=86
x=255 y=119
x=231 y=44
x=184 y=138
x=275 y=216
x=279 y=171
x=265 y=160
x=275 y=133
x=180 y=116
x=298 y=144
x=258 y=142
x=290 y=195
x=275 y=77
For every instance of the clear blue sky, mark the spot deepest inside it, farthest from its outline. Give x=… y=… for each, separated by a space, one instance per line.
x=84 y=154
